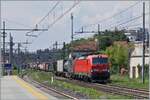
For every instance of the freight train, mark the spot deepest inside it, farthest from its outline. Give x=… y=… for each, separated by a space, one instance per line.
x=93 y=68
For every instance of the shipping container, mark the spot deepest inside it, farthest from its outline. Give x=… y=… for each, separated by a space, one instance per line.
x=60 y=65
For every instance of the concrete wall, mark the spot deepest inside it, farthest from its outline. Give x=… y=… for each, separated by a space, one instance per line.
x=136 y=59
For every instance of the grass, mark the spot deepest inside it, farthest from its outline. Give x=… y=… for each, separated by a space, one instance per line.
x=15 y=72
x=20 y=73
x=90 y=92
x=132 y=83
x=41 y=76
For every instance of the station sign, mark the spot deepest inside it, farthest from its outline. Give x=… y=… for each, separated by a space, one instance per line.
x=8 y=67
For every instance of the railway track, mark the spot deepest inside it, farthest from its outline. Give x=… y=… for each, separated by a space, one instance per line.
x=113 y=89
x=143 y=91
x=42 y=85
x=136 y=93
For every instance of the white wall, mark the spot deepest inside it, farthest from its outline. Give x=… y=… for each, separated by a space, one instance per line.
x=136 y=59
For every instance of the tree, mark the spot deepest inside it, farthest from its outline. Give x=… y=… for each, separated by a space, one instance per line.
x=105 y=41
x=108 y=37
x=118 y=55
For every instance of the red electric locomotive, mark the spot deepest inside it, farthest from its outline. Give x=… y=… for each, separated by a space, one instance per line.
x=92 y=67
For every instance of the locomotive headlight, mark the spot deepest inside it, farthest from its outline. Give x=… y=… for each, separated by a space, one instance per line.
x=108 y=70
x=105 y=70
x=94 y=70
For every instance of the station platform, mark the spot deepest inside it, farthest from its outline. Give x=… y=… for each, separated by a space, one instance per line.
x=14 y=88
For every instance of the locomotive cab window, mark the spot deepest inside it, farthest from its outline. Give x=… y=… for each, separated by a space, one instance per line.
x=99 y=60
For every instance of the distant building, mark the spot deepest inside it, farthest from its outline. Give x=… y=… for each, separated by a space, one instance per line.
x=85 y=47
x=136 y=34
x=130 y=37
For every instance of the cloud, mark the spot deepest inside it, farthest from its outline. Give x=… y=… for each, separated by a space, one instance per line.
x=86 y=12
x=103 y=13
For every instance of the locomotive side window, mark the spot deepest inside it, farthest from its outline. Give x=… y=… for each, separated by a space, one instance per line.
x=99 y=60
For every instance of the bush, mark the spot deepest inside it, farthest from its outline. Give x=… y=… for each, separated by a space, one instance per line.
x=146 y=69
x=15 y=67
x=118 y=56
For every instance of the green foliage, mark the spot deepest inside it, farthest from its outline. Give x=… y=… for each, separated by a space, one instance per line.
x=146 y=69
x=60 y=84
x=15 y=72
x=127 y=82
x=81 y=41
x=15 y=67
x=105 y=41
x=100 y=52
x=108 y=37
x=118 y=56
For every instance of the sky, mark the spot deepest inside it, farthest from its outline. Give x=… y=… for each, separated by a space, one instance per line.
x=26 y=14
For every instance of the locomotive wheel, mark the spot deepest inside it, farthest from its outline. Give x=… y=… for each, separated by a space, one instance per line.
x=91 y=80
x=86 y=79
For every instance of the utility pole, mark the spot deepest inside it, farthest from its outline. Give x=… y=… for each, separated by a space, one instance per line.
x=71 y=35
x=1 y=69
x=143 y=37
x=71 y=27
x=4 y=35
x=11 y=50
x=149 y=42
x=18 y=57
x=64 y=50
x=4 y=29
x=19 y=45
x=56 y=45
x=98 y=37
x=89 y=32
x=53 y=47
x=26 y=48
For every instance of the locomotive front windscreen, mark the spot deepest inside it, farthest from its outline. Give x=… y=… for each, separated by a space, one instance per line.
x=99 y=60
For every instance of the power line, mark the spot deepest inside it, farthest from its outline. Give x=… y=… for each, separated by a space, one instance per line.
x=49 y=12
x=33 y=0
x=18 y=23
x=37 y=23
x=15 y=29
x=137 y=17
x=123 y=23
x=61 y=16
x=127 y=21
x=116 y=14
x=133 y=25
